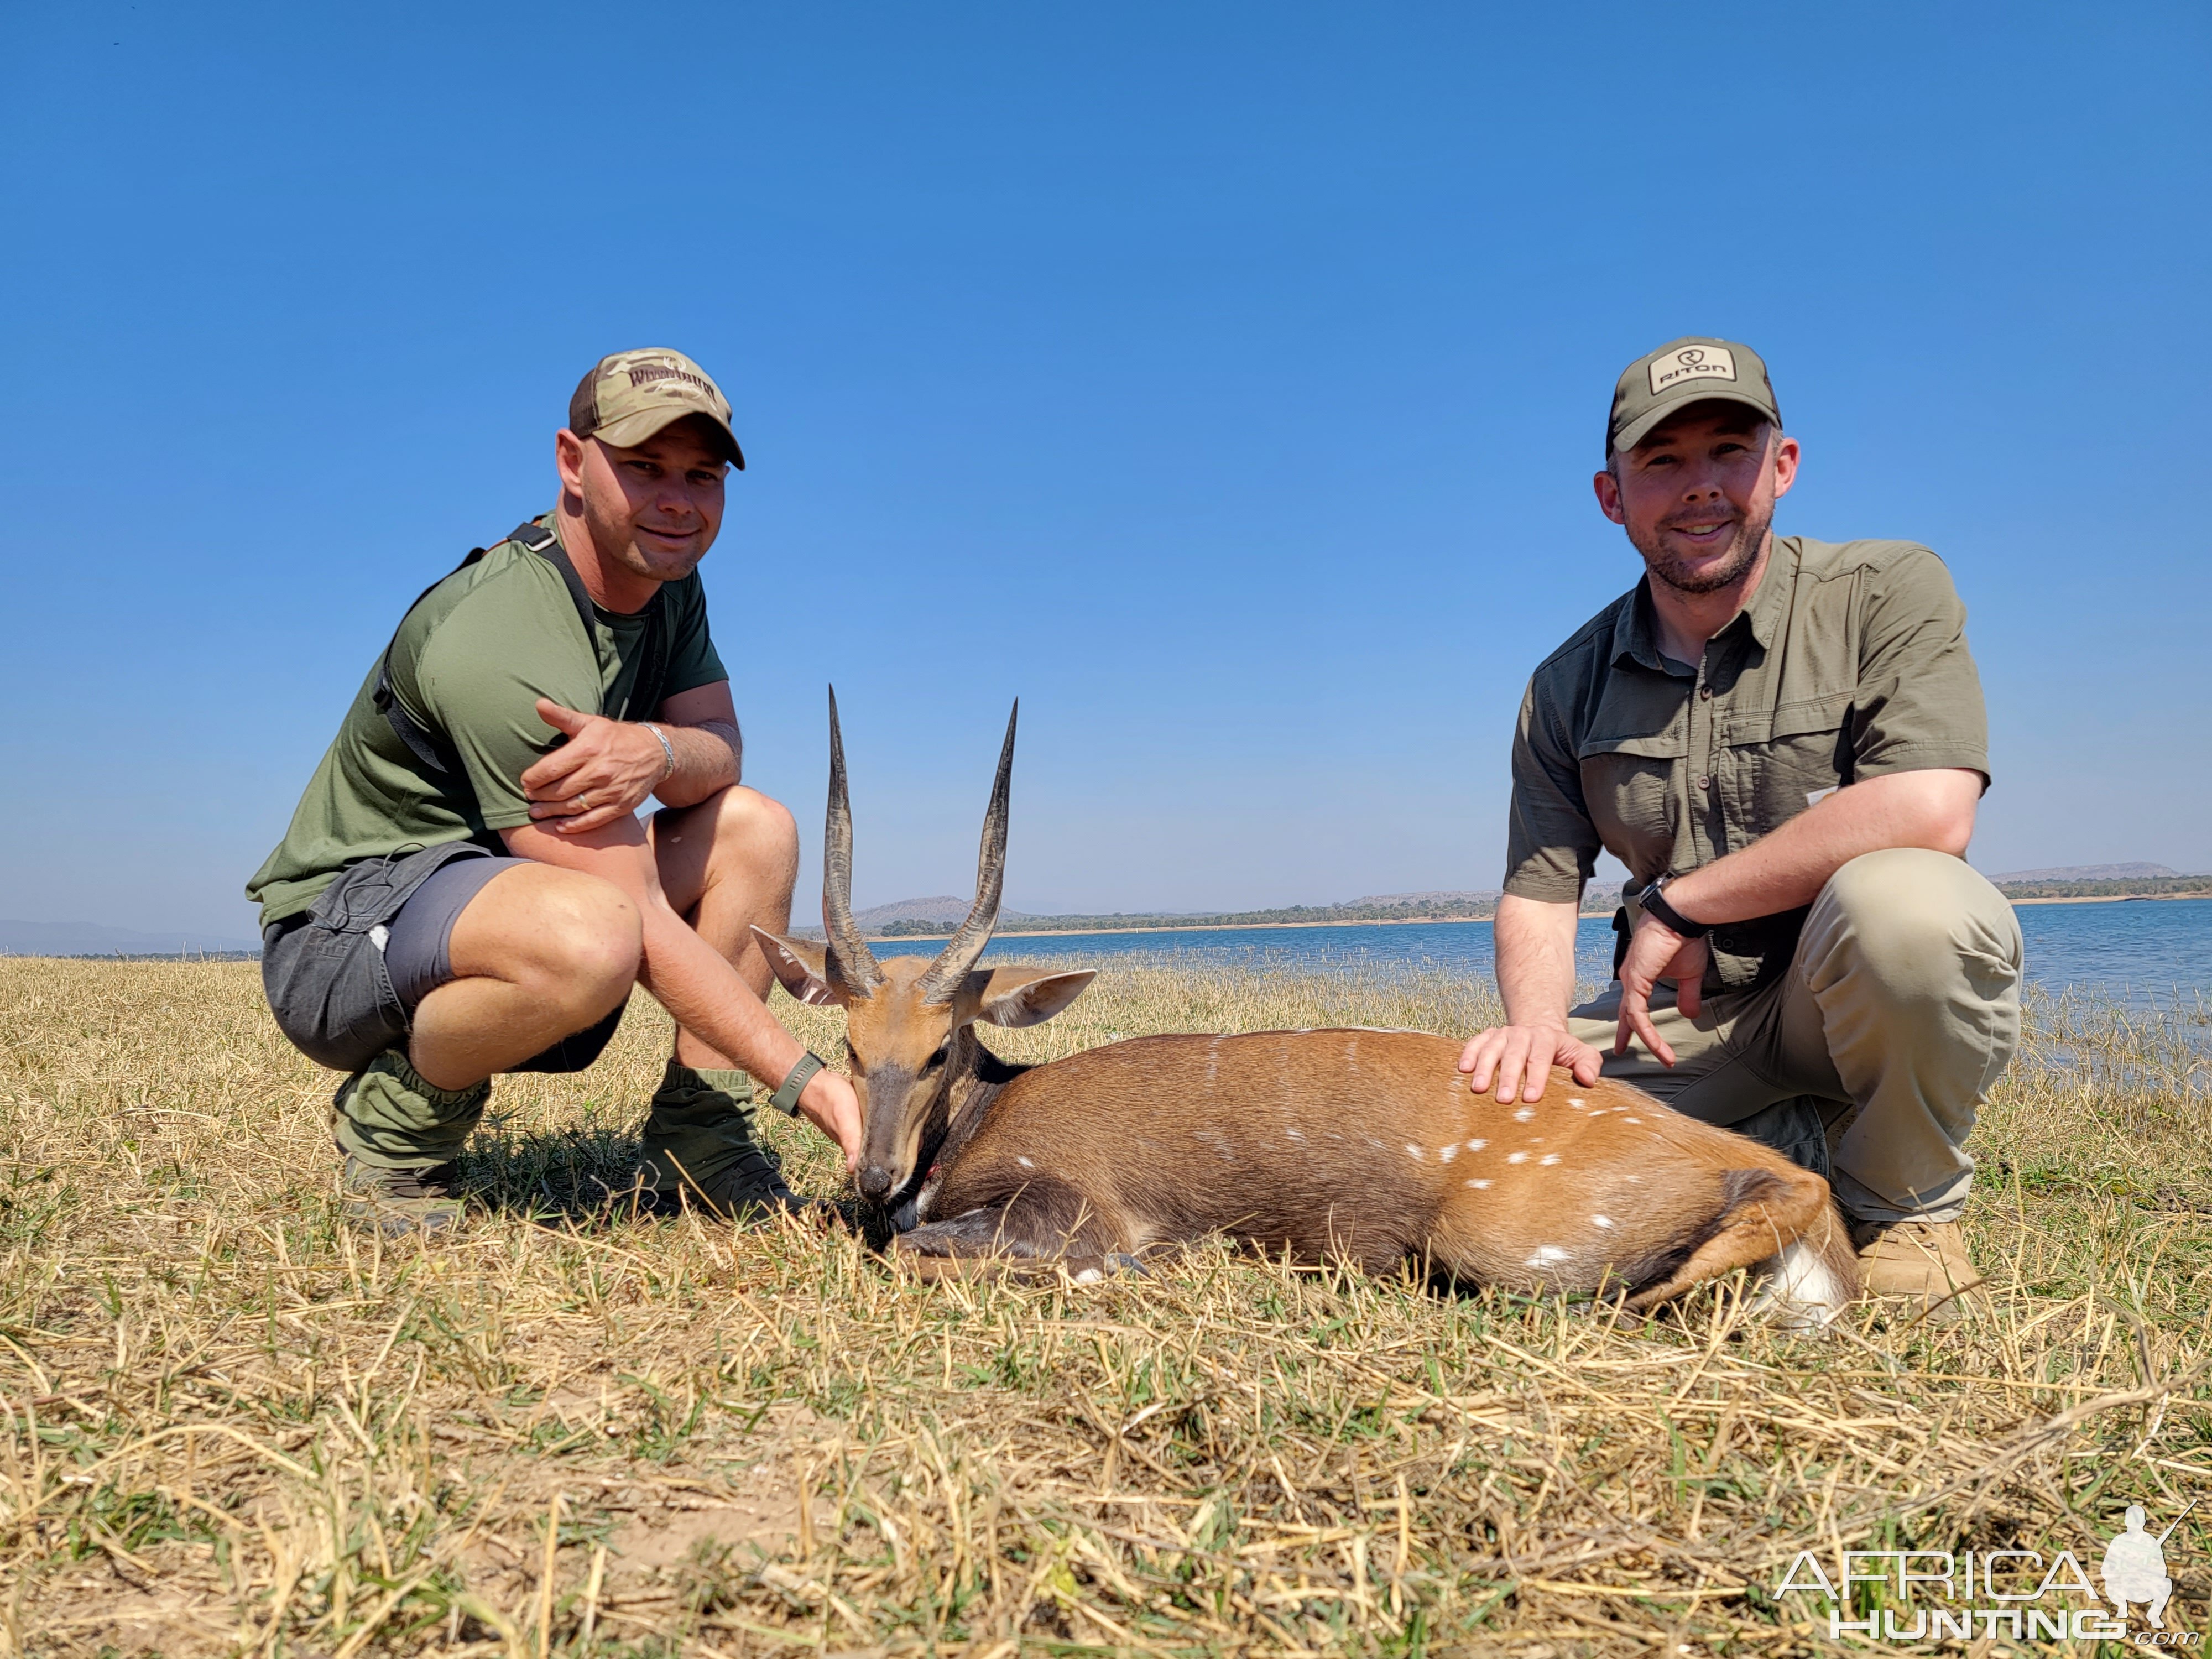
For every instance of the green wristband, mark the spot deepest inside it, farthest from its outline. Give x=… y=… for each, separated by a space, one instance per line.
x=786 y=1099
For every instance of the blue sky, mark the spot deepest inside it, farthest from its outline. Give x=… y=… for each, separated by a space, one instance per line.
x=1223 y=379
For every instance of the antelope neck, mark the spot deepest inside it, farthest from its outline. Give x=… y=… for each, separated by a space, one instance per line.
x=980 y=1075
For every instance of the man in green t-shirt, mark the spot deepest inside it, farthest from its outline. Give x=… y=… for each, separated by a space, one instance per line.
x=1783 y=740
x=466 y=888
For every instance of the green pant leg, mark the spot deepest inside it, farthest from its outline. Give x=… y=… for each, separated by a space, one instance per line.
x=699 y=1143
x=1910 y=963
x=387 y=1116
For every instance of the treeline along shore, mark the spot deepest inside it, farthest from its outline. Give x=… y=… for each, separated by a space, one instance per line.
x=1599 y=900
x=1458 y=907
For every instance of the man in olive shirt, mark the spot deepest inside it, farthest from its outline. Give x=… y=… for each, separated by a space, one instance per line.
x=466 y=888
x=1784 y=742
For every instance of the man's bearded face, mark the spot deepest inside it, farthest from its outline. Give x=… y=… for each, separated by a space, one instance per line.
x=1697 y=495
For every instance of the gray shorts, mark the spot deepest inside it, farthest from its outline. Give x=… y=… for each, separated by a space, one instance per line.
x=345 y=977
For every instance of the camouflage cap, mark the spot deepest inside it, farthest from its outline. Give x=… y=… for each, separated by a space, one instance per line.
x=628 y=397
x=1687 y=371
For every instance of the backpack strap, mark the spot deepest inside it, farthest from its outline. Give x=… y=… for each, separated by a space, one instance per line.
x=653 y=667
x=428 y=748
x=437 y=756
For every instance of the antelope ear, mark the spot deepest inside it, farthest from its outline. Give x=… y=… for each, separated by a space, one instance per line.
x=798 y=965
x=1027 y=996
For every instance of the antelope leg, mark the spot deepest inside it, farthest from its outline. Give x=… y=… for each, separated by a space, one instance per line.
x=1044 y=1226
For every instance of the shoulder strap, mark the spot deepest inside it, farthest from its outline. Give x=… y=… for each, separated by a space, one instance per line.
x=438 y=757
x=434 y=754
x=653 y=667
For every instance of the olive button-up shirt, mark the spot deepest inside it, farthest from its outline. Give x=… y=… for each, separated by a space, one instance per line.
x=1849 y=662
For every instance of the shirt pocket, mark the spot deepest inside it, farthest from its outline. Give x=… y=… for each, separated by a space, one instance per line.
x=1630 y=788
x=1787 y=761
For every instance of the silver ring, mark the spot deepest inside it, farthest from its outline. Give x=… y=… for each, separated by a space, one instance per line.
x=583 y=803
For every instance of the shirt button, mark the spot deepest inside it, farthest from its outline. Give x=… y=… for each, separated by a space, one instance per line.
x=1705 y=783
x=1704 y=690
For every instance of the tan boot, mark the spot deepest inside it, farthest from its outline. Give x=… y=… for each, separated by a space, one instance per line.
x=1924 y=1262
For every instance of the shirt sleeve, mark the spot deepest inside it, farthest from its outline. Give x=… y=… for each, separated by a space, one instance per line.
x=692 y=659
x=1919 y=700
x=1551 y=845
x=480 y=683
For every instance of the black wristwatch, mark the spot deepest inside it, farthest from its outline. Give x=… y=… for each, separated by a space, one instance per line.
x=1653 y=899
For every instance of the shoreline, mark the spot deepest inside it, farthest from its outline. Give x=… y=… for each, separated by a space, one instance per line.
x=2114 y=898
x=1412 y=922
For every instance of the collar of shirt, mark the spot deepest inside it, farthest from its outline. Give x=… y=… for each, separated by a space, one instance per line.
x=1636 y=629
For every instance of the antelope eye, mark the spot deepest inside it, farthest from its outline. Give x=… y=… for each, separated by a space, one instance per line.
x=938 y=1059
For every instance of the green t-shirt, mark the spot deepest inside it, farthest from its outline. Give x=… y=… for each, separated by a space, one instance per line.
x=470 y=663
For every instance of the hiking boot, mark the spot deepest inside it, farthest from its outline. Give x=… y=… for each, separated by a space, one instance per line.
x=699 y=1149
x=1919 y=1261
x=397 y=1202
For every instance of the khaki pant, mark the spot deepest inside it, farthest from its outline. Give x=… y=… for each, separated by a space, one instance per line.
x=1901 y=1006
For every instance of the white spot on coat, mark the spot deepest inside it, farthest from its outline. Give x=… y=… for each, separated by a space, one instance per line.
x=1576 y=1104
x=1412 y=1151
x=1524 y=1113
x=1516 y=1157
x=1476 y=1146
x=1549 y=1157
x=1295 y=1134
x=1636 y=1120
x=1548 y=1255
x=1601 y=1221
x=1025 y=1164
x=1479 y=1185
x=1446 y=1154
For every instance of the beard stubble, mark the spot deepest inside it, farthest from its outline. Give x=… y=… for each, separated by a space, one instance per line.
x=1743 y=552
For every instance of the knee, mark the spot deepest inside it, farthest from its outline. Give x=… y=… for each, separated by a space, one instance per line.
x=592 y=940
x=756 y=835
x=1912 y=920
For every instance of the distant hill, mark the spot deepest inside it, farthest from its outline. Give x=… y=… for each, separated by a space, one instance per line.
x=2091 y=873
x=85 y=939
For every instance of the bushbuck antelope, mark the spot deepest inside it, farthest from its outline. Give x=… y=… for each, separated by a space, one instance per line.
x=1362 y=1146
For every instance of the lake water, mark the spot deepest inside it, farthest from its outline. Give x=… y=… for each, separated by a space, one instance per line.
x=2135 y=952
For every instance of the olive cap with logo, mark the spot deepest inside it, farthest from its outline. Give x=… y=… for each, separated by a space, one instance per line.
x=1694 y=370
x=628 y=397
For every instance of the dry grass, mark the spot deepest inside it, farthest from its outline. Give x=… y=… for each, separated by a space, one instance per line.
x=232 y=1427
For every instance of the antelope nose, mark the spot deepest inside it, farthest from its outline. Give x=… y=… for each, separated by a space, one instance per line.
x=875 y=1183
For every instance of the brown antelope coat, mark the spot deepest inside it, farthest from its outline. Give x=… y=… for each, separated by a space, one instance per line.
x=1360 y=1146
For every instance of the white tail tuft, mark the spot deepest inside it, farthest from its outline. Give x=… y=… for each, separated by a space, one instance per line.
x=1798 y=1290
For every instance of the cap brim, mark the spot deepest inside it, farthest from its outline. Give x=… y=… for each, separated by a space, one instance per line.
x=633 y=429
x=1648 y=422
